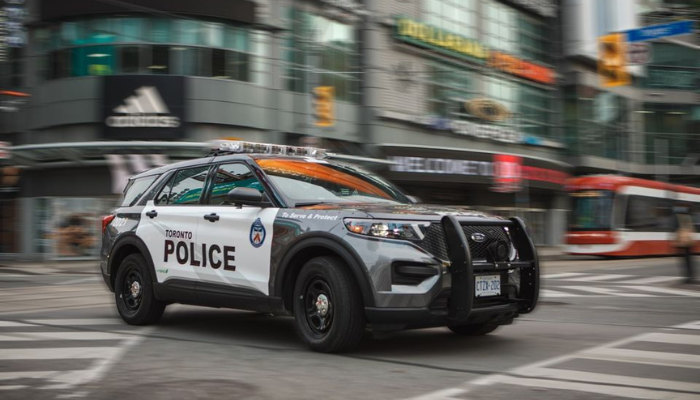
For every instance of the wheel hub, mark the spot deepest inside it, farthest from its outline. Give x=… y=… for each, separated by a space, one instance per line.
x=135 y=289
x=322 y=305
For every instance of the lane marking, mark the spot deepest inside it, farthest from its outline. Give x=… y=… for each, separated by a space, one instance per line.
x=57 y=353
x=651 y=279
x=445 y=394
x=32 y=336
x=10 y=376
x=672 y=338
x=624 y=380
x=678 y=292
x=77 y=322
x=691 y=325
x=644 y=357
x=554 y=293
x=4 y=324
x=634 y=393
x=607 y=291
x=561 y=275
x=598 y=278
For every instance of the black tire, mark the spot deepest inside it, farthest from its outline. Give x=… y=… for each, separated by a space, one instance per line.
x=473 y=330
x=342 y=326
x=138 y=306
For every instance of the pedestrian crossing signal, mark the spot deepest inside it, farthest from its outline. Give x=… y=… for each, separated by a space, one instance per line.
x=323 y=105
x=612 y=60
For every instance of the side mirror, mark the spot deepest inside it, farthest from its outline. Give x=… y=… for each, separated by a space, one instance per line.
x=242 y=196
x=414 y=199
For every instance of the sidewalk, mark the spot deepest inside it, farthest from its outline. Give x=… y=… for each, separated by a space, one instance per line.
x=86 y=267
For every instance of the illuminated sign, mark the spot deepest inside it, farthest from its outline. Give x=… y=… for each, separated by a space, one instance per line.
x=424 y=35
x=487 y=109
x=506 y=170
x=514 y=65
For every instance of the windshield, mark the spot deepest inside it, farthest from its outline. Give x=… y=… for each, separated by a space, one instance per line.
x=317 y=181
x=591 y=211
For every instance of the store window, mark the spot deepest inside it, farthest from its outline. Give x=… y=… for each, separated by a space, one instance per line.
x=456 y=16
x=671 y=132
x=128 y=45
x=326 y=46
x=449 y=88
x=530 y=107
x=516 y=33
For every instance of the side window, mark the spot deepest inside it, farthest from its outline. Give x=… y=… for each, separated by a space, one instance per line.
x=231 y=176
x=135 y=188
x=185 y=187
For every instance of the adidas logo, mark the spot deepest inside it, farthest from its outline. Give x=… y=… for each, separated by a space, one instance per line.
x=143 y=110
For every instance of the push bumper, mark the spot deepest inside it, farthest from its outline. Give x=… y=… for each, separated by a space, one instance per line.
x=462 y=307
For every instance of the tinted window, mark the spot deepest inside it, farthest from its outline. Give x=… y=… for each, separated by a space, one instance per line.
x=591 y=210
x=185 y=187
x=319 y=181
x=231 y=176
x=649 y=214
x=135 y=188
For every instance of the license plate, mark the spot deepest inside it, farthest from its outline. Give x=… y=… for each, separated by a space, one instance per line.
x=487 y=285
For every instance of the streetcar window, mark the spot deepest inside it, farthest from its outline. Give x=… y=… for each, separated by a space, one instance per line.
x=592 y=210
x=649 y=214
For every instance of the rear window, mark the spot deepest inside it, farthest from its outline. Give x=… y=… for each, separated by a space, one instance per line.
x=135 y=188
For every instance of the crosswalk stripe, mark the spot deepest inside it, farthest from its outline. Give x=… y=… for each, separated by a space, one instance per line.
x=12 y=324
x=672 y=338
x=561 y=275
x=554 y=293
x=607 y=291
x=580 y=376
x=598 y=278
x=15 y=375
x=77 y=322
x=690 y=325
x=619 y=391
x=57 y=353
x=653 y=289
x=12 y=387
x=650 y=280
x=30 y=336
x=643 y=357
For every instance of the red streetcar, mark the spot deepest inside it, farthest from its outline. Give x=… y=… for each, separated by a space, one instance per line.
x=623 y=216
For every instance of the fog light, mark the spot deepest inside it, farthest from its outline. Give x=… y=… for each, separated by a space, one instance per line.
x=499 y=251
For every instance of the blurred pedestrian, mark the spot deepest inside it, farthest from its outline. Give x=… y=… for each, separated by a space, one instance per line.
x=685 y=241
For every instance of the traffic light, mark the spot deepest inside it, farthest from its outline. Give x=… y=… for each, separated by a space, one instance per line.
x=323 y=105
x=612 y=60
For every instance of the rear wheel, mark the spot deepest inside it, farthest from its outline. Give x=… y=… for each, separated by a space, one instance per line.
x=473 y=330
x=133 y=291
x=327 y=306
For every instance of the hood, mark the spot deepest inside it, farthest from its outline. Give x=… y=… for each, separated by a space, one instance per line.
x=406 y=211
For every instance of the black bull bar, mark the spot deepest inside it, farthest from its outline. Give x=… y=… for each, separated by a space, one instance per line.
x=462 y=294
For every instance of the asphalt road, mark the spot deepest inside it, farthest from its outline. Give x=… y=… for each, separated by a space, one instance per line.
x=604 y=329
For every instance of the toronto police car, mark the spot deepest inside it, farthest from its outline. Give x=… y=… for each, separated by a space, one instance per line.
x=286 y=230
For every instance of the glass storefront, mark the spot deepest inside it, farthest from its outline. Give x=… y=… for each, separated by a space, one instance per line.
x=326 y=46
x=131 y=45
x=596 y=123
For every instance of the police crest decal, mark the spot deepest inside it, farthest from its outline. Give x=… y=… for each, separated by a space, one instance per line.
x=257 y=233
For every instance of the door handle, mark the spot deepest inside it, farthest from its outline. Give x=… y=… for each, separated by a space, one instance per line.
x=211 y=217
x=152 y=214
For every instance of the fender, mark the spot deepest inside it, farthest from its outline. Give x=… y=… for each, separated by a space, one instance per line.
x=330 y=242
x=130 y=238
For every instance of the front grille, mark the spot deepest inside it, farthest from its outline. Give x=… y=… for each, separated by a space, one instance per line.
x=493 y=234
x=434 y=240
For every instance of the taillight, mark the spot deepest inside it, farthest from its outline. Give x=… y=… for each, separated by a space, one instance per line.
x=105 y=221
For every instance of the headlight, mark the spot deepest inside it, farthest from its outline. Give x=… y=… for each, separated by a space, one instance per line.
x=409 y=230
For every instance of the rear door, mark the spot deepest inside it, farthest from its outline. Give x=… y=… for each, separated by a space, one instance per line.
x=235 y=242
x=169 y=225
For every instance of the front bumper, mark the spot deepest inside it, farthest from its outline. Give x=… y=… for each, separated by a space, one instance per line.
x=458 y=305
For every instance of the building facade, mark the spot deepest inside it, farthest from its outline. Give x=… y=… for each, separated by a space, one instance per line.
x=648 y=128
x=457 y=100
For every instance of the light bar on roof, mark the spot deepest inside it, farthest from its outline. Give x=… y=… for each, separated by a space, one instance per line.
x=242 y=147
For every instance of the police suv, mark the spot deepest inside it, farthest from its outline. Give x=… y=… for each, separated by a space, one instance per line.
x=287 y=230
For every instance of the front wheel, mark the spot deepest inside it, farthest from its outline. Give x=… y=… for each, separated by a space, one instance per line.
x=328 y=308
x=473 y=330
x=133 y=291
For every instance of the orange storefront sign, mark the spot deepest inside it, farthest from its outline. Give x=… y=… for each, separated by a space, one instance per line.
x=514 y=65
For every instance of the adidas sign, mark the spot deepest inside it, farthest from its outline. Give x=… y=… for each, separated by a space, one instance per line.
x=146 y=109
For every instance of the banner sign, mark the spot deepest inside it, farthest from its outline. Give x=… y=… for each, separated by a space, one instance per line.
x=424 y=35
x=660 y=31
